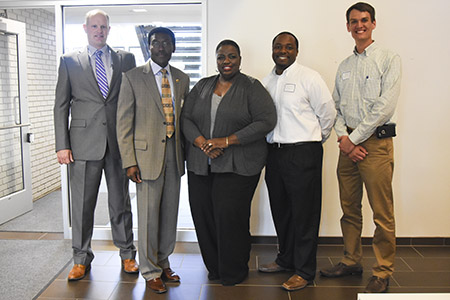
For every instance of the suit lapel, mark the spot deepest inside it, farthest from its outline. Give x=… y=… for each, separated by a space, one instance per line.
x=116 y=59
x=176 y=90
x=150 y=81
x=83 y=58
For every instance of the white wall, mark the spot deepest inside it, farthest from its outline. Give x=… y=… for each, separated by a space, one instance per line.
x=418 y=31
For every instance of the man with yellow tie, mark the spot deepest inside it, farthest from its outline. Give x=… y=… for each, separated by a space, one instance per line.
x=150 y=103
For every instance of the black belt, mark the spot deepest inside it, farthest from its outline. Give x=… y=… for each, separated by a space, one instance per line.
x=280 y=145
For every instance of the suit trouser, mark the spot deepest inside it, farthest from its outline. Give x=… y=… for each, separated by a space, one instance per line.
x=294 y=181
x=220 y=206
x=85 y=177
x=375 y=172
x=158 y=202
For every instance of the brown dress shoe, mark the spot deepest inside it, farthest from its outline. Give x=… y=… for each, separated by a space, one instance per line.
x=130 y=266
x=170 y=276
x=342 y=269
x=377 y=285
x=78 y=272
x=156 y=285
x=295 y=283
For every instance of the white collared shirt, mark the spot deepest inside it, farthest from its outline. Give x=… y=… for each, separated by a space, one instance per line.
x=305 y=108
x=106 y=58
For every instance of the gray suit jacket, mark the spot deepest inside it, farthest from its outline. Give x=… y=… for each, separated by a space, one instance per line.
x=93 y=123
x=141 y=129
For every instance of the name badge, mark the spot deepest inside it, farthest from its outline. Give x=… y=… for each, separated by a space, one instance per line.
x=289 y=87
x=345 y=75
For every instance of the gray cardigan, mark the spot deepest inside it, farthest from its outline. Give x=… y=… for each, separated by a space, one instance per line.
x=246 y=110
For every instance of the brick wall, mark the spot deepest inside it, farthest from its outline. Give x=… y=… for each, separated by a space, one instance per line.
x=41 y=76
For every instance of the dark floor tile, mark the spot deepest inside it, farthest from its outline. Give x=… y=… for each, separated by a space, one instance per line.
x=218 y=292
x=406 y=251
x=193 y=276
x=330 y=250
x=322 y=262
x=103 y=258
x=422 y=279
x=186 y=247
x=428 y=264
x=111 y=274
x=139 y=291
x=60 y=289
x=259 y=278
x=347 y=281
x=192 y=261
x=264 y=249
x=434 y=251
x=327 y=293
x=368 y=262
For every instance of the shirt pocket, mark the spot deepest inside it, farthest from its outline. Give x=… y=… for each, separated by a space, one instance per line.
x=372 y=88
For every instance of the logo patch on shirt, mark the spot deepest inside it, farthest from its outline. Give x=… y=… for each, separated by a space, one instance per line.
x=345 y=75
x=289 y=87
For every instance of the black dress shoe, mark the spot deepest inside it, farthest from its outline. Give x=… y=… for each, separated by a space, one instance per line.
x=377 y=285
x=342 y=270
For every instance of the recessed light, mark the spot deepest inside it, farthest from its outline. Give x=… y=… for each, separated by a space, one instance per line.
x=139 y=10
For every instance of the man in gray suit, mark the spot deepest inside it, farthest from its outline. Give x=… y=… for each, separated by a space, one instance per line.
x=150 y=102
x=87 y=90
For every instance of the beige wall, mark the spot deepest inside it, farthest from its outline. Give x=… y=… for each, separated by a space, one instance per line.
x=415 y=29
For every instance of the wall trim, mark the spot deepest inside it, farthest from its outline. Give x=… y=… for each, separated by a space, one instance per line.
x=335 y=240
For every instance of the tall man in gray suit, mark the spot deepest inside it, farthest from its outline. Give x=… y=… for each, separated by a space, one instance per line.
x=88 y=90
x=150 y=102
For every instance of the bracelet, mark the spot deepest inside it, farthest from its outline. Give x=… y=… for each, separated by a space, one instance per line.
x=226 y=141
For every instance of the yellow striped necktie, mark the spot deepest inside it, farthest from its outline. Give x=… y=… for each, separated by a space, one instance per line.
x=166 y=97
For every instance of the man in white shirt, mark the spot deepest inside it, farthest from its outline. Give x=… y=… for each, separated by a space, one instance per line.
x=305 y=117
x=366 y=93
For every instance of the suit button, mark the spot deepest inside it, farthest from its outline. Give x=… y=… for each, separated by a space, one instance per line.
x=165 y=123
x=163 y=141
x=104 y=123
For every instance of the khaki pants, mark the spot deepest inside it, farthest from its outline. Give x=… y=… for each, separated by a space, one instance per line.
x=375 y=171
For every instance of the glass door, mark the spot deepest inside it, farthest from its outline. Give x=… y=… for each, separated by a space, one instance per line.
x=15 y=136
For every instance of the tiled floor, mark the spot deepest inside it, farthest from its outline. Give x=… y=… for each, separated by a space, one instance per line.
x=419 y=269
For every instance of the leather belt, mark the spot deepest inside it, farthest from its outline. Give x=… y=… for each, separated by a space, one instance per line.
x=281 y=145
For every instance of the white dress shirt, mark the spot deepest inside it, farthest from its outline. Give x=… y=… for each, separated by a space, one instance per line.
x=305 y=108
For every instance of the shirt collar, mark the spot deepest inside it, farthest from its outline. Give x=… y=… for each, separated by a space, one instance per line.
x=157 y=68
x=286 y=71
x=92 y=50
x=368 y=51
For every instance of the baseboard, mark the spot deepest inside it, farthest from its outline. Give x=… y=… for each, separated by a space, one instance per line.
x=331 y=240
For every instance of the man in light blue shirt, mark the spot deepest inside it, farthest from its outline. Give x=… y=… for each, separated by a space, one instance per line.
x=366 y=93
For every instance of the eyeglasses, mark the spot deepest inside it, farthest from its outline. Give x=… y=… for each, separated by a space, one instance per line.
x=157 y=44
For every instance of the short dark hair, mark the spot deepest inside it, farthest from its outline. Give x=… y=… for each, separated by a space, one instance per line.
x=286 y=32
x=162 y=30
x=229 y=43
x=361 y=6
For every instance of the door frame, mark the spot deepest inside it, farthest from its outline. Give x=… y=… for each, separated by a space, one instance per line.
x=19 y=202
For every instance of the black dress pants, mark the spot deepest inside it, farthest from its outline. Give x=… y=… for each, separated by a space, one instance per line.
x=220 y=205
x=294 y=181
